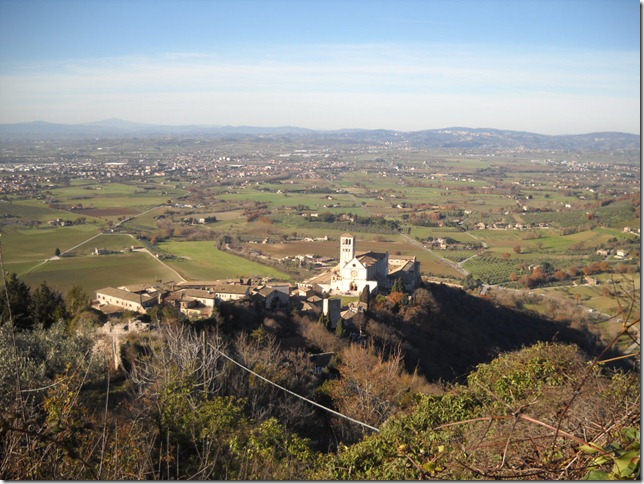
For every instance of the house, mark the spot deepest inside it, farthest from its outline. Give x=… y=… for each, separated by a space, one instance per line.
x=347 y=316
x=110 y=297
x=197 y=303
x=231 y=292
x=271 y=296
x=405 y=268
x=222 y=290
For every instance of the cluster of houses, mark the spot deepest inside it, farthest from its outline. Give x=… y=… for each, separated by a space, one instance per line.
x=617 y=254
x=509 y=226
x=444 y=244
x=199 y=299
x=195 y=299
x=59 y=222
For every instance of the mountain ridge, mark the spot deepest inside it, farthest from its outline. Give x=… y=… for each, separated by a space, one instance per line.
x=449 y=137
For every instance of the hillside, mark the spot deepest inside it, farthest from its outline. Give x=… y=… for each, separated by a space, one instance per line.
x=456 y=137
x=450 y=331
x=206 y=399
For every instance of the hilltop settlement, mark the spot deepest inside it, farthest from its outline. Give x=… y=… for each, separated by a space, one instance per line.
x=355 y=274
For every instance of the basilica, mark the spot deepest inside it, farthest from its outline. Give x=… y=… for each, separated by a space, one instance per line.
x=377 y=270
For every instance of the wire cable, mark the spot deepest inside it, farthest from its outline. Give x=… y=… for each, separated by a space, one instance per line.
x=293 y=393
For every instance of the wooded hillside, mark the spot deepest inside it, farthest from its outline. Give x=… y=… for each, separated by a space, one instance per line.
x=441 y=384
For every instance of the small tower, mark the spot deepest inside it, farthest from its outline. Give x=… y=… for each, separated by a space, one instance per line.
x=332 y=308
x=347 y=248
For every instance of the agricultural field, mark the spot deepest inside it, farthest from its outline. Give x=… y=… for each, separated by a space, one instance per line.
x=203 y=261
x=501 y=212
x=36 y=244
x=94 y=272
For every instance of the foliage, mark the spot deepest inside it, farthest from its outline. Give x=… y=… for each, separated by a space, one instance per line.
x=35 y=358
x=623 y=454
x=15 y=303
x=325 y=320
x=77 y=300
x=197 y=404
x=371 y=388
x=44 y=421
x=339 y=329
x=517 y=377
x=269 y=451
x=47 y=306
x=470 y=282
x=398 y=286
x=491 y=429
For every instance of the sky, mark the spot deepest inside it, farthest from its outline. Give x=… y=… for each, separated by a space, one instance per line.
x=545 y=66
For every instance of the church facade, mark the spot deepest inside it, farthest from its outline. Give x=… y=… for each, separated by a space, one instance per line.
x=373 y=269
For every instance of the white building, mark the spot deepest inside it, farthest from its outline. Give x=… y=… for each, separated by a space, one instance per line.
x=373 y=269
x=110 y=298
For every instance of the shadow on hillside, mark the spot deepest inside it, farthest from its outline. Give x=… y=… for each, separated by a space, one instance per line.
x=457 y=331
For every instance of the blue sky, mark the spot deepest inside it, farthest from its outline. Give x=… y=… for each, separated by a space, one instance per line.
x=548 y=66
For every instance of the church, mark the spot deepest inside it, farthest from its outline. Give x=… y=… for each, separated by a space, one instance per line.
x=377 y=270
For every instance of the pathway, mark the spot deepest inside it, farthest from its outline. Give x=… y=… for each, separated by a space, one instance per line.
x=108 y=233
x=448 y=262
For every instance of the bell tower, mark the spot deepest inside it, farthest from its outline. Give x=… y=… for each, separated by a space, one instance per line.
x=347 y=248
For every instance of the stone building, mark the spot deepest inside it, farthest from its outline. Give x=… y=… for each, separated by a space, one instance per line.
x=374 y=269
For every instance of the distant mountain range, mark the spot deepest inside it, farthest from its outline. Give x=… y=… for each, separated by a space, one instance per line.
x=457 y=137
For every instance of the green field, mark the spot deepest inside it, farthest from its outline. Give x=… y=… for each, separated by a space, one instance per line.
x=109 y=241
x=138 y=197
x=95 y=272
x=398 y=183
x=37 y=244
x=203 y=261
x=37 y=210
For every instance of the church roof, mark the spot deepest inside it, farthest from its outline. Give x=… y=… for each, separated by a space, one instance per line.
x=400 y=268
x=346 y=235
x=370 y=258
x=325 y=277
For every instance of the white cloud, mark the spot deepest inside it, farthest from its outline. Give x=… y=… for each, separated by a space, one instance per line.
x=339 y=86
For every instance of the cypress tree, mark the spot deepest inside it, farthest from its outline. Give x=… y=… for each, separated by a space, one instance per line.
x=18 y=304
x=339 y=329
x=399 y=286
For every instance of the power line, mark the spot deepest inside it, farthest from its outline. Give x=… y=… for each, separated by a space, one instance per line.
x=293 y=393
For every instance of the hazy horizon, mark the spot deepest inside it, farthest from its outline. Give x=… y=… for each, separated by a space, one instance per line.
x=133 y=124
x=542 y=66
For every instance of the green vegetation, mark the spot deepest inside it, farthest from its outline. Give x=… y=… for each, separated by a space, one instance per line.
x=186 y=400
x=202 y=260
x=517 y=394
x=528 y=370
x=535 y=211
x=96 y=272
x=34 y=245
